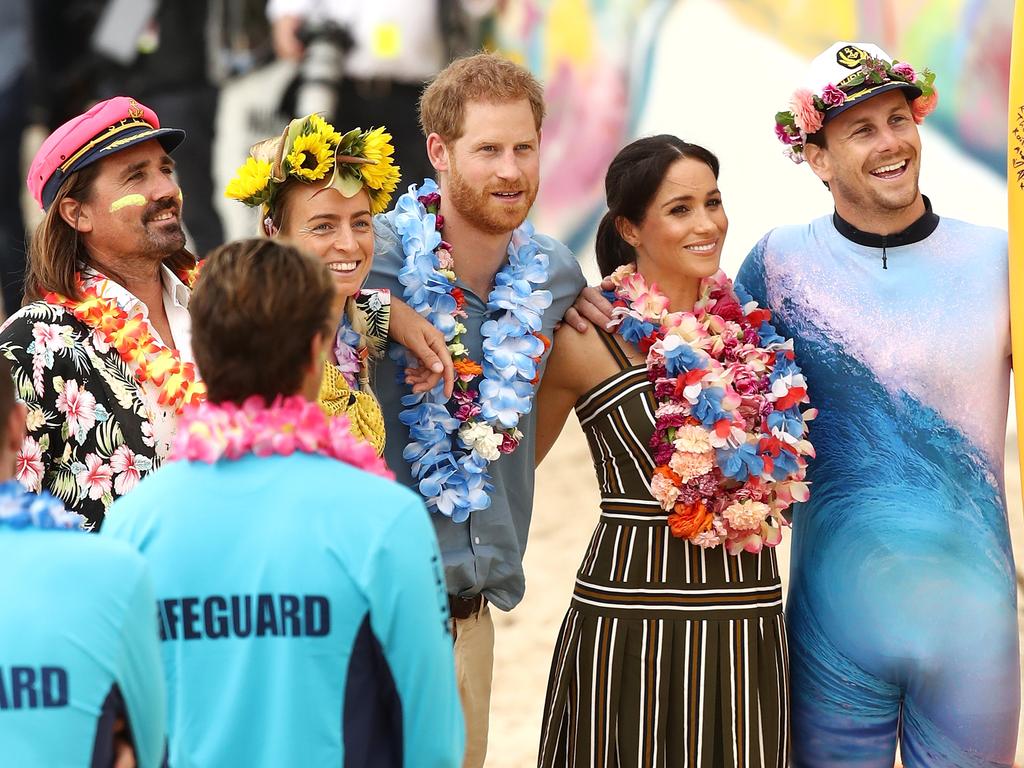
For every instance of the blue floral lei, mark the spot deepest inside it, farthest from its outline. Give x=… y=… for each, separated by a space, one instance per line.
x=21 y=509
x=448 y=452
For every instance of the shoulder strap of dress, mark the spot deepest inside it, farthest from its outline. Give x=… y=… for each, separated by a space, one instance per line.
x=613 y=347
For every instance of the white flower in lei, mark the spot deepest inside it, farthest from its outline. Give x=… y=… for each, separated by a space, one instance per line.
x=451 y=444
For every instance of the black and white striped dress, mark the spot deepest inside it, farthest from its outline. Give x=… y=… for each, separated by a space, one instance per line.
x=669 y=655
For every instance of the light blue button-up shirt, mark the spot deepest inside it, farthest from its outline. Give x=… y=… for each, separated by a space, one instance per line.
x=484 y=554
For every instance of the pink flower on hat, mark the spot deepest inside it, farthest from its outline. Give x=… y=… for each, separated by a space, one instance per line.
x=785 y=136
x=905 y=71
x=806 y=116
x=832 y=96
x=923 y=106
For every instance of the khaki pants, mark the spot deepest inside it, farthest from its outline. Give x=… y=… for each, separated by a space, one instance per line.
x=474 y=664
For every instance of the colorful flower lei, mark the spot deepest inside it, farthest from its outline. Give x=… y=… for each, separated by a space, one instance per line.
x=21 y=509
x=806 y=113
x=132 y=336
x=729 y=443
x=449 y=452
x=350 y=351
x=311 y=150
x=213 y=432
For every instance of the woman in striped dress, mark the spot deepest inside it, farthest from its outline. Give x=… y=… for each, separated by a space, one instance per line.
x=670 y=654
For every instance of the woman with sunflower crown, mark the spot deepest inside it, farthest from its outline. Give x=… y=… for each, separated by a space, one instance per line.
x=321 y=189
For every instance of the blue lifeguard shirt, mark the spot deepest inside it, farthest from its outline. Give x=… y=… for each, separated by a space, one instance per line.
x=302 y=612
x=78 y=648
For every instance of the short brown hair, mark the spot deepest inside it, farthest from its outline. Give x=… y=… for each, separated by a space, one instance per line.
x=255 y=309
x=56 y=247
x=485 y=77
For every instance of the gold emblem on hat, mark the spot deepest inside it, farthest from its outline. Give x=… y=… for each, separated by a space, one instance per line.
x=850 y=56
x=134 y=110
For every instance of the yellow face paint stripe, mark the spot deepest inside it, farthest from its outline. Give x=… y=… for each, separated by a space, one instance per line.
x=121 y=202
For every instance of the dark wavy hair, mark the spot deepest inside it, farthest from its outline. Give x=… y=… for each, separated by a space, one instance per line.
x=632 y=181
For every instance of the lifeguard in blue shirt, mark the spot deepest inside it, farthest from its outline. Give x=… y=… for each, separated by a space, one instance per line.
x=299 y=591
x=80 y=677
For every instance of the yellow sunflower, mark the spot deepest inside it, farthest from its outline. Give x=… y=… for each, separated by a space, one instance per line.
x=324 y=128
x=250 y=180
x=380 y=197
x=380 y=175
x=378 y=150
x=311 y=158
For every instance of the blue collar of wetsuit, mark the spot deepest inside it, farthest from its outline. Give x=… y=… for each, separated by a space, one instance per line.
x=915 y=233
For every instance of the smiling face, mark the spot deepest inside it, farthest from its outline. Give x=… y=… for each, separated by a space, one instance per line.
x=492 y=171
x=871 y=161
x=684 y=227
x=133 y=209
x=336 y=229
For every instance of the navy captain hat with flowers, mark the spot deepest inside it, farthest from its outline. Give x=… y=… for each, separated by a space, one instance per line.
x=843 y=76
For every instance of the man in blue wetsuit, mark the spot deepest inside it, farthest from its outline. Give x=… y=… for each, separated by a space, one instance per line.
x=80 y=676
x=902 y=597
x=301 y=601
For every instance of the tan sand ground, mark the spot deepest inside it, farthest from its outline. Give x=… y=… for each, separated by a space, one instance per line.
x=564 y=516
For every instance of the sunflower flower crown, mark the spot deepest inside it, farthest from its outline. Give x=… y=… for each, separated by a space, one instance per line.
x=807 y=110
x=311 y=150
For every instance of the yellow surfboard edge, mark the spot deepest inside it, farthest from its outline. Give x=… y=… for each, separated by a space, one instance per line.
x=1015 y=215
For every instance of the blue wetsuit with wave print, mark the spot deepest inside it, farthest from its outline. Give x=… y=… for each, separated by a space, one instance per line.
x=902 y=598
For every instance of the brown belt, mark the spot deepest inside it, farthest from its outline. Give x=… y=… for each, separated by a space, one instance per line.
x=464 y=607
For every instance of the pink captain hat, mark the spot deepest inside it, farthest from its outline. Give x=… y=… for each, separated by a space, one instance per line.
x=109 y=127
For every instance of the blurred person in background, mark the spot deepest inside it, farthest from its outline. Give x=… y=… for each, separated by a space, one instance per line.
x=377 y=56
x=167 y=66
x=14 y=74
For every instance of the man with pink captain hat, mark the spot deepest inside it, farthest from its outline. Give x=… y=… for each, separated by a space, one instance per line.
x=100 y=351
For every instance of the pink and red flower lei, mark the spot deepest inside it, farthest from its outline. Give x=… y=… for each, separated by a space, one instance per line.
x=729 y=443
x=213 y=432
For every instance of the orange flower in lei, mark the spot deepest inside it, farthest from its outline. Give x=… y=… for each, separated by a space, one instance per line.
x=687 y=520
x=132 y=337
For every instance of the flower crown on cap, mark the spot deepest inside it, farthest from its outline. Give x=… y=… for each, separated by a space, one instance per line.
x=807 y=111
x=311 y=150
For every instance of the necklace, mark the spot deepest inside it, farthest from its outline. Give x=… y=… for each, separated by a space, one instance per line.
x=729 y=442
x=21 y=509
x=133 y=339
x=213 y=432
x=452 y=442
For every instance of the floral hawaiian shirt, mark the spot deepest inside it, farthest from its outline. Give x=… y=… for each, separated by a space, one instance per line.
x=91 y=431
